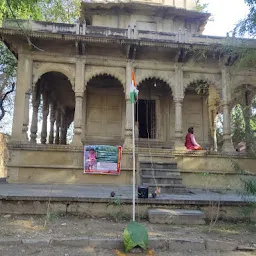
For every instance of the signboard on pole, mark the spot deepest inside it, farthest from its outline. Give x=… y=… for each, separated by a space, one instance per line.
x=102 y=159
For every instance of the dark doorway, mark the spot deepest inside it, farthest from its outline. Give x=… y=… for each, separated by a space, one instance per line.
x=146 y=118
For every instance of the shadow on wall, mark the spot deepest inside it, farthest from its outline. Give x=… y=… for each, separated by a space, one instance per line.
x=3 y=155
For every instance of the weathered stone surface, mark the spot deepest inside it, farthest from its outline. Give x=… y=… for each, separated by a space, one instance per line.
x=246 y=248
x=105 y=243
x=176 y=216
x=186 y=245
x=158 y=243
x=36 y=242
x=217 y=245
x=10 y=242
x=75 y=241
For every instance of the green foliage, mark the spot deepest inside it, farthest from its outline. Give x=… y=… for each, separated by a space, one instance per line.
x=19 y=9
x=248 y=25
x=201 y=7
x=52 y=216
x=65 y=11
x=237 y=124
x=135 y=235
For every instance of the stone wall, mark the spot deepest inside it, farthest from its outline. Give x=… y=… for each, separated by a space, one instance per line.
x=3 y=155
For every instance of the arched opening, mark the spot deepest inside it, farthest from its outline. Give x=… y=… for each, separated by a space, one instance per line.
x=201 y=108
x=104 y=106
x=53 y=104
x=243 y=118
x=153 y=111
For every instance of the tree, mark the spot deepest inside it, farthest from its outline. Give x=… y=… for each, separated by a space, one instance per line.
x=66 y=11
x=248 y=24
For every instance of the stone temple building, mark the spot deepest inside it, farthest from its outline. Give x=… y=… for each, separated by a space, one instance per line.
x=79 y=75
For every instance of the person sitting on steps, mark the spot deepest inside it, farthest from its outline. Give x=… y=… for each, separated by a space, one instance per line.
x=190 y=141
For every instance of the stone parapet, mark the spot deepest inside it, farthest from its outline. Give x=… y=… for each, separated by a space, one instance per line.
x=96 y=33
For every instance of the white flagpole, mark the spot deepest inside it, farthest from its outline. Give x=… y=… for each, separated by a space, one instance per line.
x=133 y=163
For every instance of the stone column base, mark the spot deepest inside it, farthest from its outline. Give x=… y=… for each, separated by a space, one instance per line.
x=127 y=143
x=228 y=147
x=179 y=145
x=77 y=140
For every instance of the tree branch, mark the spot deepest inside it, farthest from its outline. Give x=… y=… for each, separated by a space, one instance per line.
x=2 y=101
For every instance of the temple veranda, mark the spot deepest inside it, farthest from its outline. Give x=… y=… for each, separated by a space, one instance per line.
x=80 y=74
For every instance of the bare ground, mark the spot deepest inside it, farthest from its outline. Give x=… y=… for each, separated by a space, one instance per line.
x=58 y=226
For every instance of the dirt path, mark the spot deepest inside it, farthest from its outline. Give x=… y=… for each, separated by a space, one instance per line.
x=87 y=251
x=57 y=226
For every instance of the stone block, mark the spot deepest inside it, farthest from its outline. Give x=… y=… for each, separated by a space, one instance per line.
x=36 y=242
x=72 y=241
x=176 y=216
x=158 y=243
x=104 y=243
x=223 y=246
x=178 y=245
x=5 y=242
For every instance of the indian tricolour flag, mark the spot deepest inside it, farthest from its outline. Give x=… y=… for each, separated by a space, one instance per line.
x=133 y=89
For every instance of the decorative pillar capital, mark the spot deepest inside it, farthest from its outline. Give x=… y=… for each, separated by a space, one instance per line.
x=79 y=94
x=178 y=100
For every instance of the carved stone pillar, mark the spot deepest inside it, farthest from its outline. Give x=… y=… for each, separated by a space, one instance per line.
x=52 y=121
x=226 y=98
x=128 y=109
x=34 y=122
x=77 y=139
x=178 y=100
x=26 y=116
x=63 y=129
x=58 y=119
x=79 y=92
x=179 y=140
x=227 y=139
x=24 y=83
x=45 y=115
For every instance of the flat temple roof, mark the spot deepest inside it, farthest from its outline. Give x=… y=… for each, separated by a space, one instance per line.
x=154 y=9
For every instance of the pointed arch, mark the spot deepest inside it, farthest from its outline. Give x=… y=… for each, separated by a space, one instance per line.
x=40 y=69
x=93 y=71
x=165 y=76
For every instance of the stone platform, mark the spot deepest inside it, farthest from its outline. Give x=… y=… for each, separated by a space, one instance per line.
x=95 y=200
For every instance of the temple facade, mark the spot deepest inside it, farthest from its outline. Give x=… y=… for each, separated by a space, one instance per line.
x=79 y=75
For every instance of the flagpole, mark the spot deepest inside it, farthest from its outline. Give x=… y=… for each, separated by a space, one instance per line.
x=133 y=163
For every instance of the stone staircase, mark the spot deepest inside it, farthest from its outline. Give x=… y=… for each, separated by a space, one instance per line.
x=164 y=175
x=3 y=180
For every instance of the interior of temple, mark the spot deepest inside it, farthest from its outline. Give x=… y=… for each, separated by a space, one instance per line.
x=53 y=102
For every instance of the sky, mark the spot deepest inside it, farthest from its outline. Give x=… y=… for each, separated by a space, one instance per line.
x=226 y=14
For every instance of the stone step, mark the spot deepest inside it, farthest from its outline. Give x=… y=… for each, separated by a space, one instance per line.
x=156 y=158
x=3 y=180
x=158 y=165
x=161 y=172
x=161 y=179
x=176 y=216
x=166 y=188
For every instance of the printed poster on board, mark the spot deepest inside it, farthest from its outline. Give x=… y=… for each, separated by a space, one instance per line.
x=102 y=159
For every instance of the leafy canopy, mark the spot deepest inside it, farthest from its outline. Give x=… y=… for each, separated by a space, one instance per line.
x=66 y=11
x=248 y=24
